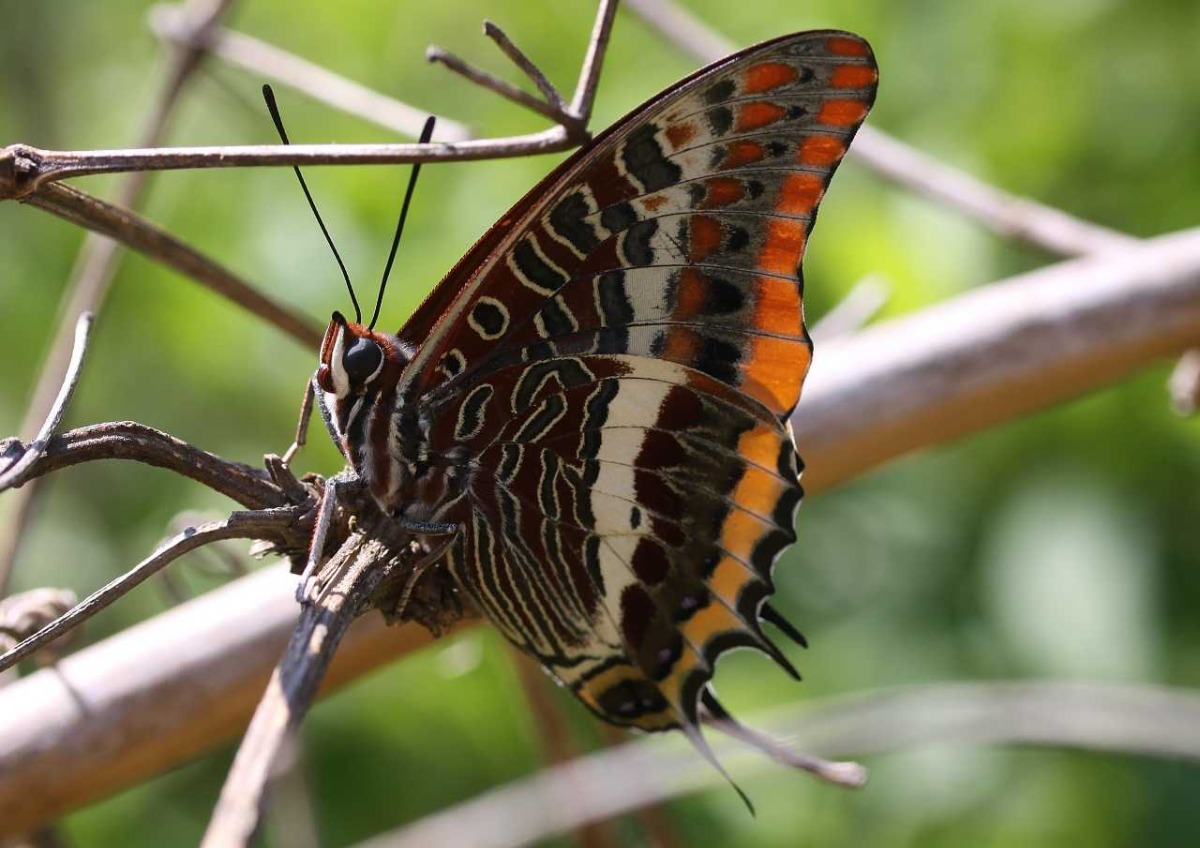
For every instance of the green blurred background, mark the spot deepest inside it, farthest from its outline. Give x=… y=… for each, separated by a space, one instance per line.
x=1061 y=546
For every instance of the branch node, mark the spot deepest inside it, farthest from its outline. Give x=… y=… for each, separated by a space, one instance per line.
x=572 y=118
x=21 y=171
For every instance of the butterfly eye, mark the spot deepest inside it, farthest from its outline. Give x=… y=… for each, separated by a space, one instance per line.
x=362 y=360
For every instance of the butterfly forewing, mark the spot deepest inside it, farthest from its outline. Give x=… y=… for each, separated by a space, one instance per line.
x=614 y=364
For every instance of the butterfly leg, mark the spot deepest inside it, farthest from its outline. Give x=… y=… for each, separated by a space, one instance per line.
x=306 y=410
x=418 y=568
x=316 y=546
x=428 y=528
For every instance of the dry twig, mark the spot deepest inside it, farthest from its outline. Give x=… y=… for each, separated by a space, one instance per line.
x=258 y=524
x=852 y=312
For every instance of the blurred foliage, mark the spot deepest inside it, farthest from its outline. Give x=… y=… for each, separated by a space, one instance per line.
x=1063 y=545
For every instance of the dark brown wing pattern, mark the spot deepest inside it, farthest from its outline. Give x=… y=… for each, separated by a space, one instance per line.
x=617 y=364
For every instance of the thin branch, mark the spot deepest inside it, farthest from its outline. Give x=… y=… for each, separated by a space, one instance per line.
x=574 y=118
x=128 y=440
x=16 y=473
x=25 y=169
x=322 y=85
x=1091 y=717
x=136 y=232
x=1087 y=323
x=593 y=62
x=522 y=61
x=241 y=525
x=1006 y=214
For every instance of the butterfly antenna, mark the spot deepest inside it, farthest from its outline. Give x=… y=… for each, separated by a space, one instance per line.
x=273 y=108
x=426 y=134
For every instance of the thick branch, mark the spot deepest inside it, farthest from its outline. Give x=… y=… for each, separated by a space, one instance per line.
x=995 y=354
x=292 y=688
x=159 y=694
x=1125 y=719
x=1138 y=309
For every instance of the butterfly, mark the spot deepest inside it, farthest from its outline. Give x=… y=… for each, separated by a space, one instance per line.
x=588 y=416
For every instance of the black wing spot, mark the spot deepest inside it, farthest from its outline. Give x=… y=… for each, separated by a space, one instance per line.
x=720 y=92
x=489 y=319
x=618 y=217
x=719 y=359
x=723 y=298
x=636 y=243
x=612 y=299
x=720 y=120
x=535 y=269
x=644 y=159
x=567 y=220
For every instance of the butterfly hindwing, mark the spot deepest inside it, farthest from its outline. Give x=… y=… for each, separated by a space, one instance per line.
x=617 y=361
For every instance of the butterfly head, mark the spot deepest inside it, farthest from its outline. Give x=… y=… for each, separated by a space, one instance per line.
x=358 y=373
